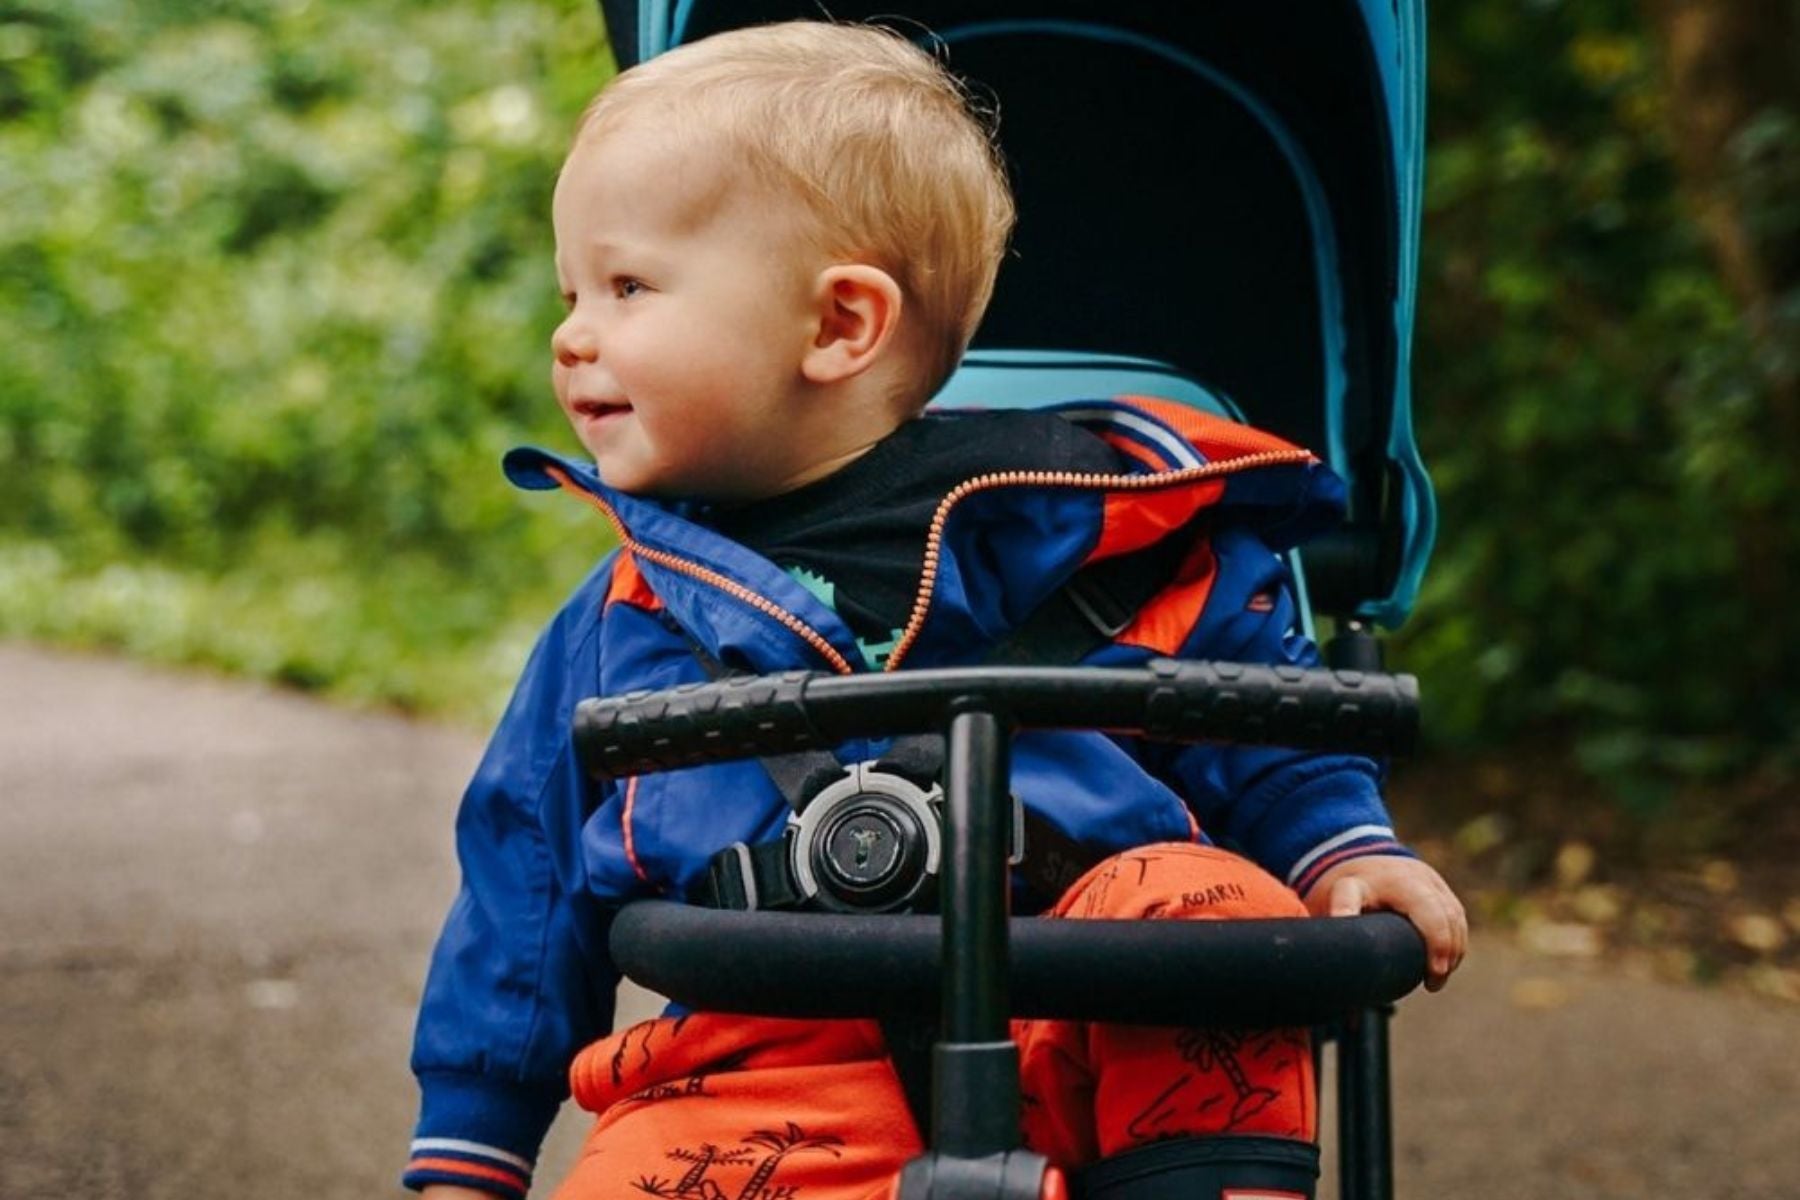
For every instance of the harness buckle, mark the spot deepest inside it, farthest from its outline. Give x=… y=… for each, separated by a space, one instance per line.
x=869 y=841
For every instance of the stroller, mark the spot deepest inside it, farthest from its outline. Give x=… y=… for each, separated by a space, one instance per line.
x=1258 y=169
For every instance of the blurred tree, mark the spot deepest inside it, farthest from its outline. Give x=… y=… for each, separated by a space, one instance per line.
x=1733 y=71
x=1733 y=68
x=1621 y=522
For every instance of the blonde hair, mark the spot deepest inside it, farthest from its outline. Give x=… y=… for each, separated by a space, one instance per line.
x=895 y=164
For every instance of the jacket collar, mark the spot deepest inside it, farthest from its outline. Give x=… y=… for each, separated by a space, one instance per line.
x=1000 y=545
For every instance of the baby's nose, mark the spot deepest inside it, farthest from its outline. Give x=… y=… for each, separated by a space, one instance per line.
x=574 y=342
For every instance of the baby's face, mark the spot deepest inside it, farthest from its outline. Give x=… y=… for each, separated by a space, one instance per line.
x=689 y=313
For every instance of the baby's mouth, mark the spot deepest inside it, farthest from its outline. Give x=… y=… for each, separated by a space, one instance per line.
x=594 y=410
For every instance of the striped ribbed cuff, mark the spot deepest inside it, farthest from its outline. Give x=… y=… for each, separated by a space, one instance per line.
x=1361 y=842
x=467 y=1164
x=479 y=1132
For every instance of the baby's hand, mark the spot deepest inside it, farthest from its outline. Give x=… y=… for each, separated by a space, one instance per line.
x=1402 y=885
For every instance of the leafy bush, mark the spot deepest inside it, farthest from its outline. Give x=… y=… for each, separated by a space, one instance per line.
x=275 y=277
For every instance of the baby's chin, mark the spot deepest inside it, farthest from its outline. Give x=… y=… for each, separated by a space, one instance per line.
x=651 y=482
x=713 y=479
x=710 y=491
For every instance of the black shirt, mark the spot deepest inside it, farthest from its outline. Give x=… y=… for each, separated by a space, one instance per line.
x=856 y=539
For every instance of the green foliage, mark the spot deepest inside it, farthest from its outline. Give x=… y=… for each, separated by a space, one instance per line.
x=277 y=276
x=1619 y=515
x=421 y=637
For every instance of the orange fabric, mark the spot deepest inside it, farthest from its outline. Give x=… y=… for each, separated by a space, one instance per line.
x=719 y=1107
x=1165 y=622
x=1131 y=520
x=1095 y=1090
x=737 y=1108
x=628 y=585
x=1217 y=437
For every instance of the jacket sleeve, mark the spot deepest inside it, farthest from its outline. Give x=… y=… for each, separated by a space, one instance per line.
x=520 y=978
x=1295 y=813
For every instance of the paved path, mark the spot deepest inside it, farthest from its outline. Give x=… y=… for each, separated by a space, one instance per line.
x=216 y=902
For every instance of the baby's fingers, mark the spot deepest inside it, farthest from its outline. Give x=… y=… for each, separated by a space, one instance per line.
x=1349 y=897
x=1440 y=918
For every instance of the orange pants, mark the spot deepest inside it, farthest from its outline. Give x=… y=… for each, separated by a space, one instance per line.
x=749 y=1108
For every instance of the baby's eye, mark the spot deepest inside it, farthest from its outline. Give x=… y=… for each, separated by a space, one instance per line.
x=568 y=299
x=626 y=287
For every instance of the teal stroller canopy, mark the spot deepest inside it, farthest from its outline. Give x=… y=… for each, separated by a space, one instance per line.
x=1219 y=203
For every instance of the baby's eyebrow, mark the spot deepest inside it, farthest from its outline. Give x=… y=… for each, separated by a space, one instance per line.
x=602 y=253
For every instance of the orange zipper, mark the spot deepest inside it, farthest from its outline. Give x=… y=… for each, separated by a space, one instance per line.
x=1121 y=483
x=730 y=587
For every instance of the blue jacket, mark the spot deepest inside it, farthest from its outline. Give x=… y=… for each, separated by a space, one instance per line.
x=521 y=977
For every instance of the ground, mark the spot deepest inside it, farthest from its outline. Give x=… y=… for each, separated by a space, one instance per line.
x=219 y=899
x=1706 y=893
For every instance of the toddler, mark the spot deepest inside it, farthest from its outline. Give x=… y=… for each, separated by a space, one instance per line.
x=774 y=246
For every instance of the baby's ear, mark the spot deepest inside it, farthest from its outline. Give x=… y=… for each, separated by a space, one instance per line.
x=858 y=310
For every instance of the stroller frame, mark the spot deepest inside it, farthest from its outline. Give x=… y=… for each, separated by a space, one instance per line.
x=980 y=966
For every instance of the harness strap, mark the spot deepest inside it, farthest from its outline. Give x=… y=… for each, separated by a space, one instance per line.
x=743 y=878
x=1091 y=609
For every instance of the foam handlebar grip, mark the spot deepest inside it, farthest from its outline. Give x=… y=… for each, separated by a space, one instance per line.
x=745 y=716
x=1254 y=704
x=1167 y=700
